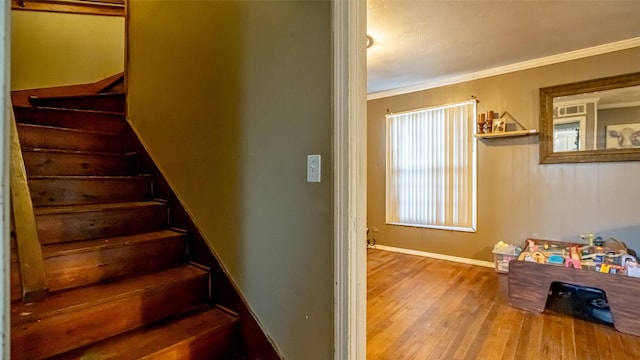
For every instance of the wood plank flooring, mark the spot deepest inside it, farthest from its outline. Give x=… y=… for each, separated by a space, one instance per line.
x=422 y=308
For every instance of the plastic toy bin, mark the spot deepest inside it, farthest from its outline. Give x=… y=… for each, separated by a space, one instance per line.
x=502 y=254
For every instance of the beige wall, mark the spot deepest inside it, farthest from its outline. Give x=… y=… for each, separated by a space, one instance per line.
x=230 y=97
x=517 y=197
x=51 y=49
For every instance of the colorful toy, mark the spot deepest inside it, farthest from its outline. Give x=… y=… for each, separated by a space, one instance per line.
x=539 y=257
x=573 y=263
x=574 y=256
x=610 y=256
x=556 y=259
x=504 y=253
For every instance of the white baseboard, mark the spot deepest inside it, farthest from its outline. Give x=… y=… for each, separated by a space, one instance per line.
x=435 y=256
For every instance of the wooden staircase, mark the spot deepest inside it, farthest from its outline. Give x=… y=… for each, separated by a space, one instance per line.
x=120 y=282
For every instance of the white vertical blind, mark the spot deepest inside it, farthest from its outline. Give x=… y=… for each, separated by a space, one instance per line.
x=431 y=167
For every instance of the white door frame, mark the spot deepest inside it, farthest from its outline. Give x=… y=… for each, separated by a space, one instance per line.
x=350 y=181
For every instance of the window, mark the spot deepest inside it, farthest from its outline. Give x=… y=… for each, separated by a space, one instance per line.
x=431 y=167
x=568 y=134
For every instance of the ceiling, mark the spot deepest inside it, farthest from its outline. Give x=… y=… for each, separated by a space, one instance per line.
x=418 y=43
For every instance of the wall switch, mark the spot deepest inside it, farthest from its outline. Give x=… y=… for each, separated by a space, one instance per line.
x=313 y=168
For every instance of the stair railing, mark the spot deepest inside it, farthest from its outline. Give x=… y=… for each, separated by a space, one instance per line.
x=30 y=260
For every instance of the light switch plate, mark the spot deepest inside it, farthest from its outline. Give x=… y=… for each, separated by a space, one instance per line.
x=313 y=168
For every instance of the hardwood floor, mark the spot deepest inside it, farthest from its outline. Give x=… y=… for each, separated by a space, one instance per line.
x=422 y=308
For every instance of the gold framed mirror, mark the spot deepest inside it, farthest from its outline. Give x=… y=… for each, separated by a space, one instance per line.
x=591 y=121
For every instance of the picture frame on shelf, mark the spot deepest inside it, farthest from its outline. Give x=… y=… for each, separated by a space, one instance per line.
x=499 y=125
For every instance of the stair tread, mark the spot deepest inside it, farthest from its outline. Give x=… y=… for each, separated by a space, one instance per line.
x=78 y=298
x=154 y=338
x=78 y=152
x=88 y=177
x=60 y=128
x=63 y=249
x=48 y=210
x=80 y=96
x=65 y=110
x=113 y=102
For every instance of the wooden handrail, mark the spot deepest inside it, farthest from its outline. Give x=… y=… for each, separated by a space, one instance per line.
x=30 y=260
x=91 y=7
x=106 y=85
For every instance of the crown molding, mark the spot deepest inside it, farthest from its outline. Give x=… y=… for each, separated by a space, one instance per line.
x=524 y=65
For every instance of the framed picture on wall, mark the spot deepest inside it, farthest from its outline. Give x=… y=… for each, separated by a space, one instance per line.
x=623 y=136
x=499 y=126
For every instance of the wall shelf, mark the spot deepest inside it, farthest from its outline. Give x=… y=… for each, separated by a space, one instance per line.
x=515 y=133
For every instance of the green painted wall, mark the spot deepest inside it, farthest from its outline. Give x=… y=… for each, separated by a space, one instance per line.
x=52 y=49
x=517 y=197
x=230 y=97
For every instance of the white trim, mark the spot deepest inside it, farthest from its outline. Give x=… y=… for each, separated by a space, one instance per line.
x=471 y=229
x=578 y=101
x=524 y=65
x=349 y=164
x=619 y=105
x=436 y=256
x=582 y=121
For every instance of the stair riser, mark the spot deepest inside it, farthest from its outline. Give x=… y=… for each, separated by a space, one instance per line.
x=217 y=344
x=60 y=191
x=16 y=286
x=48 y=138
x=52 y=164
x=200 y=335
x=114 y=103
x=98 y=266
x=56 y=228
x=57 y=334
x=14 y=274
x=96 y=121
